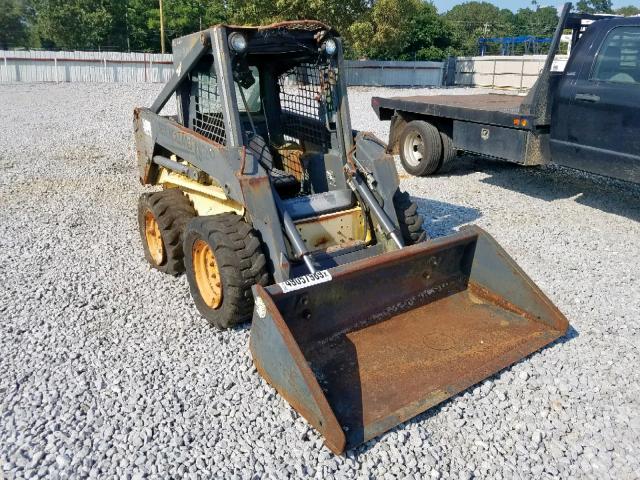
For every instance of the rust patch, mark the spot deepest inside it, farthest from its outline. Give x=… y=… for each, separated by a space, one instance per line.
x=317 y=242
x=415 y=341
x=326 y=216
x=187 y=131
x=489 y=297
x=312 y=25
x=253 y=181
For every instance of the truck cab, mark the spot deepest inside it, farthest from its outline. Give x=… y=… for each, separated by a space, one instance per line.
x=595 y=120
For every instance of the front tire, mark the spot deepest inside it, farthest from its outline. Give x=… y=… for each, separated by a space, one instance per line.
x=420 y=148
x=223 y=259
x=409 y=219
x=162 y=217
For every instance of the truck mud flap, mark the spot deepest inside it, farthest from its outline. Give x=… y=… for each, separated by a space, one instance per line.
x=360 y=348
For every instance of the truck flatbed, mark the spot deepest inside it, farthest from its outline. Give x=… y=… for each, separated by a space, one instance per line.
x=586 y=116
x=490 y=108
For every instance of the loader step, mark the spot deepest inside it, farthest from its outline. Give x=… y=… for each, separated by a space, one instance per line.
x=319 y=204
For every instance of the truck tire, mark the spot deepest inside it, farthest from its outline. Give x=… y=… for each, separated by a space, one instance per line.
x=162 y=217
x=410 y=221
x=420 y=148
x=449 y=152
x=223 y=259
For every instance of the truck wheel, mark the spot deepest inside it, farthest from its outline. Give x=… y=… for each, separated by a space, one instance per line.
x=420 y=148
x=162 y=217
x=449 y=152
x=223 y=259
x=409 y=219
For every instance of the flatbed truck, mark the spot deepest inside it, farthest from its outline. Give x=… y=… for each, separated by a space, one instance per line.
x=585 y=117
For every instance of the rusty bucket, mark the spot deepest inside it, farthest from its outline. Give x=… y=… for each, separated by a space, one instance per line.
x=368 y=345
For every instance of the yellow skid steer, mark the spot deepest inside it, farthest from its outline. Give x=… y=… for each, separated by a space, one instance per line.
x=280 y=213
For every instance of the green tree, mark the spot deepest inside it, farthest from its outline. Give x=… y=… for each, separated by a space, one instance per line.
x=74 y=24
x=430 y=36
x=340 y=14
x=386 y=31
x=16 y=18
x=139 y=35
x=401 y=30
x=595 y=6
x=472 y=20
x=540 y=22
x=182 y=17
x=628 y=11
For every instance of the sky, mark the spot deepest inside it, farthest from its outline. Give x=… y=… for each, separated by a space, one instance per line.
x=444 y=5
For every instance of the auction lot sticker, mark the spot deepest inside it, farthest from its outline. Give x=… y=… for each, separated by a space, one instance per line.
x=305 y=281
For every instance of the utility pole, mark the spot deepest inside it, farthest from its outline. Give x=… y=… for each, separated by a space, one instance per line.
x=126 y=23
x=161 y=28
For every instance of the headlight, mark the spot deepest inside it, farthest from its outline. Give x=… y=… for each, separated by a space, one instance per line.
x=237 y=42
x=329 y=46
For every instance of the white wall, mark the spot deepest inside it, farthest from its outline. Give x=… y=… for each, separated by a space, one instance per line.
x=505 y=72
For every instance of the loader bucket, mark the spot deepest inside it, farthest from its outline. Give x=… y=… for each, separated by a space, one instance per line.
x=388 y=337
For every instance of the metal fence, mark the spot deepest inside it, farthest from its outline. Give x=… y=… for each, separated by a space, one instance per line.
x=394 y=74
x=516 y=72
x=46 y=66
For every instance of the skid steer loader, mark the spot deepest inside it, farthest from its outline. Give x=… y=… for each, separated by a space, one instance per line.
x=280 y=213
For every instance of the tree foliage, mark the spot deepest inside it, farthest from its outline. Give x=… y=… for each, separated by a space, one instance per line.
x=375 y=29
x=472 y=20
x=595 y=6
x=339 y=14
x=628 y=11
x=76 y=23
x=541 y=22
x=16 y=18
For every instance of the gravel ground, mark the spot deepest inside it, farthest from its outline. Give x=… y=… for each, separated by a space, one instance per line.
x=107 y=369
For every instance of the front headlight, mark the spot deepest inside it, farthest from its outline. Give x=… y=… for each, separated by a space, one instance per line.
x=329 y=46
x=237 y=42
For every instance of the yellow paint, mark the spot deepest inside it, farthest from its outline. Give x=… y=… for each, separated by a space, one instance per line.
x=331 y=230
x=153 y=238
x=205 y=269
x=206 y=199
x=334 y=229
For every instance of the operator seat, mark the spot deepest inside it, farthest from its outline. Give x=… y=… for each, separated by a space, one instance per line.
x=286 y=185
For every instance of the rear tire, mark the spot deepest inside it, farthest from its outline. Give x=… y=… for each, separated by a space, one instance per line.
x=409 y=218
x=162 y=217
x=420 y=148
x=223 y=259
x=449 y=152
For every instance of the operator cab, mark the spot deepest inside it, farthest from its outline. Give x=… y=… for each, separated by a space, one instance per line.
x=287 y=97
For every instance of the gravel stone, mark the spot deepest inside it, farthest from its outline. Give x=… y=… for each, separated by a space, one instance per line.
x=108 y=370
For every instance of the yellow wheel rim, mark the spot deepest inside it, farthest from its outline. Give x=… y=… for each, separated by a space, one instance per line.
x=154 y=238
x=207 y=275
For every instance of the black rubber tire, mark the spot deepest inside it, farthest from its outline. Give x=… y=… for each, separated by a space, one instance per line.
x=431 y=148
x=241 y=264
x=409 y=219
x=172 y=211
x=449 y=152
